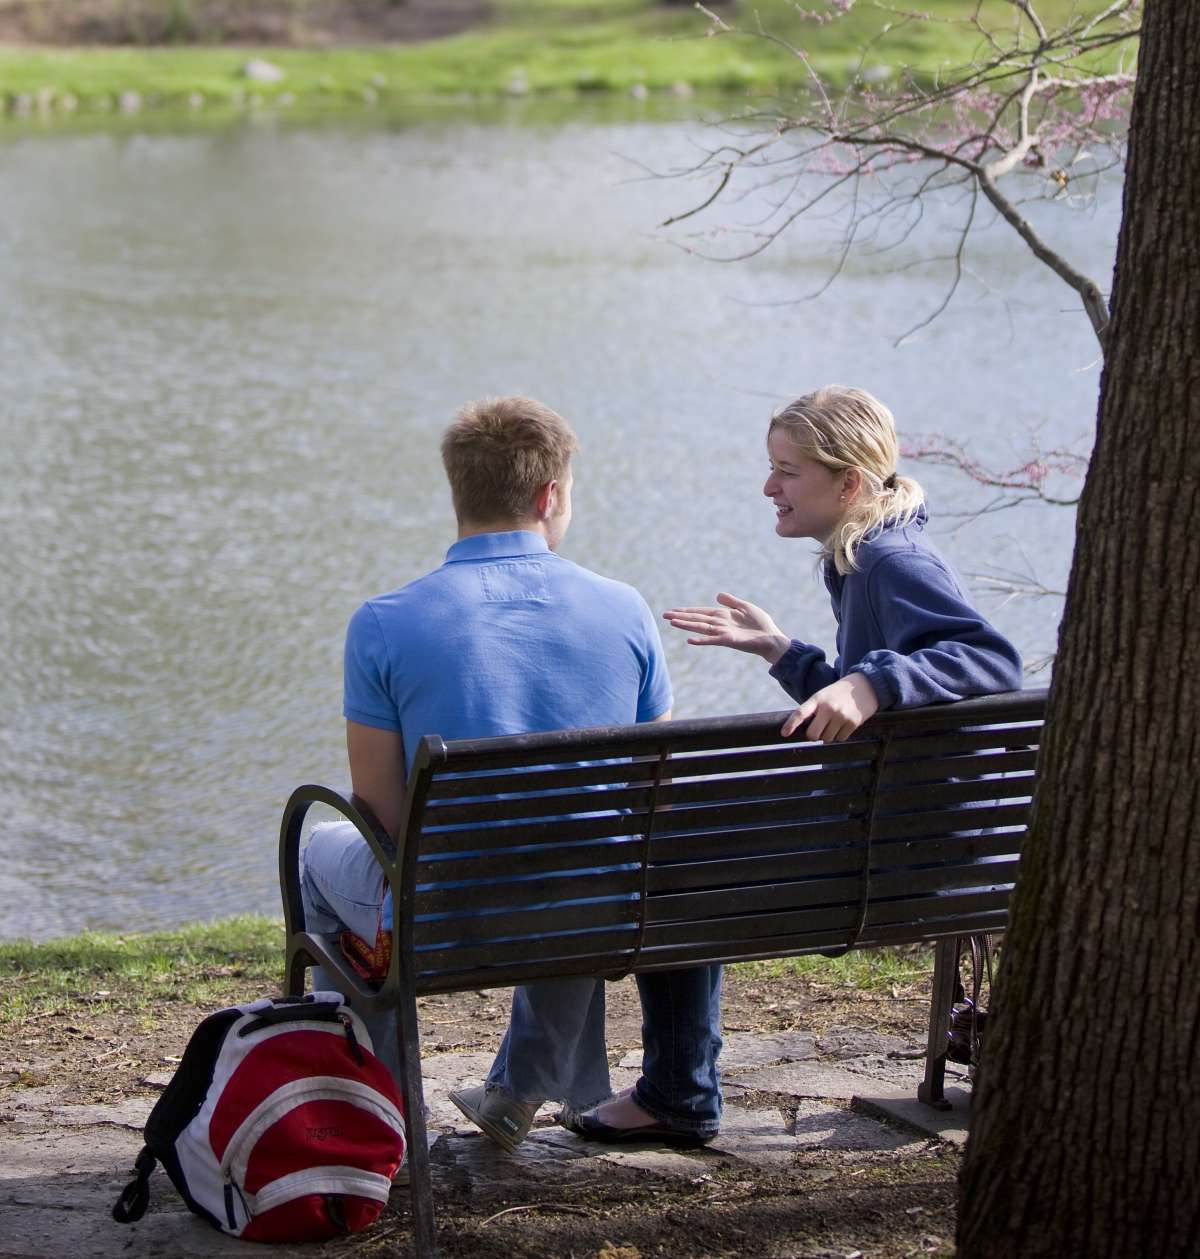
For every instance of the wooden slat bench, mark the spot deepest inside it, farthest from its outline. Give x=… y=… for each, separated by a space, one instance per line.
x=612 y=851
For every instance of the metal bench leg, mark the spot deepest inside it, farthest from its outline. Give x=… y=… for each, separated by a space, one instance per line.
x=408 y=1038
x=293 y=979
x=931 y=1090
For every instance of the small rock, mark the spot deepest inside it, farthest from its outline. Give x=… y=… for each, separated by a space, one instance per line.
x=682 y=90
x=44 y=99
x=369 y=95
x=196 y=100
x=378 y=80
x=639 y=91
x=68 y=103
x=260 y=71
x=129 y=102
x=517 y=86
x=285 y=99
x=20 y=103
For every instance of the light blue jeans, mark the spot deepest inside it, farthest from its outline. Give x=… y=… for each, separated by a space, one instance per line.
x=554 y=1048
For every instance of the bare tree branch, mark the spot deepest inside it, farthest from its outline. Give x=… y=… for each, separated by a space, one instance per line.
x=1036 y=98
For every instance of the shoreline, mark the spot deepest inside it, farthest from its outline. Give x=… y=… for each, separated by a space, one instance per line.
x=555 y=50
x=209 y=963
x=61 y=82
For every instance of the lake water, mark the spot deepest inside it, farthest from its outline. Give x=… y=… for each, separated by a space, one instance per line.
x=227 y=357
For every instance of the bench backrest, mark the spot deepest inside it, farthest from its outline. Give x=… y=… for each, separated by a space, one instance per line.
x=635 y=848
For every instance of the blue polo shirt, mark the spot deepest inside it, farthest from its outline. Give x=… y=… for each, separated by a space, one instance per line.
x=505 y=638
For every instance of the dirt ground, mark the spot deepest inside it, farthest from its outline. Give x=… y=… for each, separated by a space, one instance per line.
x=878 y=1204
x=286 y=23
x=106 y=1057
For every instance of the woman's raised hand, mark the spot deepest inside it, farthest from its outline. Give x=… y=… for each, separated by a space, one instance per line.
x=736 y=623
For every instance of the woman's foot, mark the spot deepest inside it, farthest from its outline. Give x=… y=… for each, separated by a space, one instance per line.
x=621 y=1111
x=622 y=1120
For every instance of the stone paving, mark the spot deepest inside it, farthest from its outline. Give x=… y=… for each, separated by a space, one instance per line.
x=850 y=1092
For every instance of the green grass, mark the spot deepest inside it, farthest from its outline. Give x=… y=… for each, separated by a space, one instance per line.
x=206 y=964
x=210 y=964
x=869 y=969
x=542 y=47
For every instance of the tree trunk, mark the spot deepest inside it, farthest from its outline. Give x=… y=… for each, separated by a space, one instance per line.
x=1085 y=1133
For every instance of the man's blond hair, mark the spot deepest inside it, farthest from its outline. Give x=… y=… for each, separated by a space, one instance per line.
x=499 y=452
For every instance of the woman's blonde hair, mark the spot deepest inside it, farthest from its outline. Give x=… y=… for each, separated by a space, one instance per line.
x=845 y=428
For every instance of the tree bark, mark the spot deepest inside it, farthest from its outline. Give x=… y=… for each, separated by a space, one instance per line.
x=1085 y=1133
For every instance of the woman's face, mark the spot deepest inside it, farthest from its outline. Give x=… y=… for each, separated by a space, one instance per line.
x=809 y=499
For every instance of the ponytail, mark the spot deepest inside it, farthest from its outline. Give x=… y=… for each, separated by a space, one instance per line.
x=878 y=504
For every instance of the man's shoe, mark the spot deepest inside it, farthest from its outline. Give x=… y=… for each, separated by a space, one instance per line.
x=498 y=1116
x=593 y=1129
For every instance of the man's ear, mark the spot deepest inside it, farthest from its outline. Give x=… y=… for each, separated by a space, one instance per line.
x=546 y=501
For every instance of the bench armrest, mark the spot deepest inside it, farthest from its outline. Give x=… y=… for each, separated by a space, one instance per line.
x=355 y=811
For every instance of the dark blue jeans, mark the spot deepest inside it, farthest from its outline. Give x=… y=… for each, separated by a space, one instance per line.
x=681 y=1038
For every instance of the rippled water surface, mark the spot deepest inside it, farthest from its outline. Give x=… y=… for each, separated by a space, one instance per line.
x=227 y=358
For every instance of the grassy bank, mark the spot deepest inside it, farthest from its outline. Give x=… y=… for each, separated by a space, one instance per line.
x=213 y=964
x=530 y=47
x=207 y=964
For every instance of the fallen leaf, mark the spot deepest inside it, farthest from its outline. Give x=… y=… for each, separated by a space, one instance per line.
x=609 y=1251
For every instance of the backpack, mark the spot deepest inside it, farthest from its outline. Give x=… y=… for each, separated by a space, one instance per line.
x=280 y=1124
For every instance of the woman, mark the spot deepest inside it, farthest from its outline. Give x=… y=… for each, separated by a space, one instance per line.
x=907 y=633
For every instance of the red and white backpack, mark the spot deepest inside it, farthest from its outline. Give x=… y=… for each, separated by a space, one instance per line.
x=280 y=1124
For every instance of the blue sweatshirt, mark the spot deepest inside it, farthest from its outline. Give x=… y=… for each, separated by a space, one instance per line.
x=906 y=625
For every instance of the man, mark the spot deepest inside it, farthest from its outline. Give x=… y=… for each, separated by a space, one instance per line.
x=505 y=638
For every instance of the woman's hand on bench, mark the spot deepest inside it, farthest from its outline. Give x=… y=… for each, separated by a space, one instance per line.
x=835 y=712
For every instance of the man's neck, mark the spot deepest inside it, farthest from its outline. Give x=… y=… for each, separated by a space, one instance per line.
x=472 y=528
